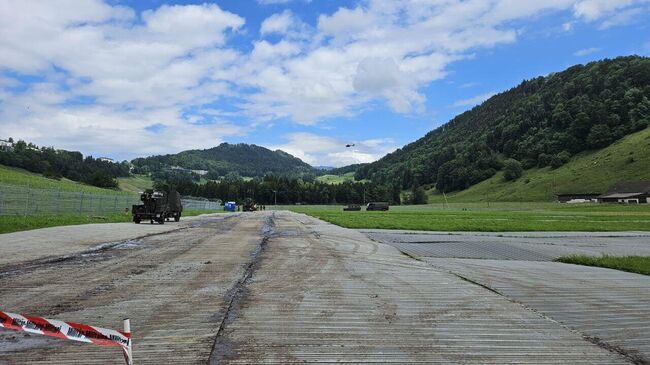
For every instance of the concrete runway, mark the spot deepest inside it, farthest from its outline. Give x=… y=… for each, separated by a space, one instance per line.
x=268 y=287
x=608 y=307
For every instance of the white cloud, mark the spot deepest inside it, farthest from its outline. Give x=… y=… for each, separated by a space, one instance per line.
x=277 y=23
x=273 y=2
x=172 y=60
x=473 y=100
x=586 y=51
x=623 y=17
x=328 y=151
x=111 y=70
x=595 y=9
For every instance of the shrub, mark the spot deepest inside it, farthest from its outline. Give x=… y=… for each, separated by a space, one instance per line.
x=512 y=170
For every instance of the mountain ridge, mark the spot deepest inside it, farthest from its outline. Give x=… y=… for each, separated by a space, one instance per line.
x=540 y=122
x=241 y=158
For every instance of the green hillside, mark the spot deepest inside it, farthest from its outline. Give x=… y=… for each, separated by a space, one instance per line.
x=16 y=176
x=135 y=183
x=542 y=122
x=588 y=172
x=243 y=159
x=336 y=179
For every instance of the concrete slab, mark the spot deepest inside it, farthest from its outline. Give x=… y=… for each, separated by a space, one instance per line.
x=530 y=246
x=324 y=294
x=609 y=307
x=56 y=241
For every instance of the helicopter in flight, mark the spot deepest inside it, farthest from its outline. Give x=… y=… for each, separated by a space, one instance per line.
x=349 y=145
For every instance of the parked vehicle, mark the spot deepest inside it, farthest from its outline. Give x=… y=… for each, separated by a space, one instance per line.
x=377 y=206
x=158 y=206
x=249 y=205
x=230 y=206
x=352 y=208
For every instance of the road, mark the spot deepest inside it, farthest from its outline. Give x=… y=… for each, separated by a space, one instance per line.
x=271 y=287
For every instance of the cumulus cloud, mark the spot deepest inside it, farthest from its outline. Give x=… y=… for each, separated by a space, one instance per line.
x=127 y=68
x=100 y=74
x=586 y=51
x=475 y=100
x=277 y=23
x=328 y=151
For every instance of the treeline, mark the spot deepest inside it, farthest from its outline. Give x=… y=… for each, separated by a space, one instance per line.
x=56 y=164
x=542 y=122
x=286 y=190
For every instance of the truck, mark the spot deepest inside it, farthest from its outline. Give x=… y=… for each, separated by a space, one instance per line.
x=158 y=207
x=377 y=206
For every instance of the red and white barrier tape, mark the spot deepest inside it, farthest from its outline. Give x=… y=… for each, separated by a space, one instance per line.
x=70 y=331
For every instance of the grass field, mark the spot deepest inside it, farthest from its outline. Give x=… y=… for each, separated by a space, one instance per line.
x=336 y=179
x=20 y=177
x=12 y=223
x=498 y=217
x=590 y=172
x=635 y=264
x=135 y=183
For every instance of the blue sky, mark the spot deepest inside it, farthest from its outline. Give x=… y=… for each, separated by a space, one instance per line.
x=130 y=78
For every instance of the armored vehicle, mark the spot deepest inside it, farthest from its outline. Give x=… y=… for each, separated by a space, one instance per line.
x=158 y=206
x=377 y=206
x=249 y=205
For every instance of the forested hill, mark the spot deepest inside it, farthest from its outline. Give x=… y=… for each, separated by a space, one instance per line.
x=543 y=121
x=243 y=159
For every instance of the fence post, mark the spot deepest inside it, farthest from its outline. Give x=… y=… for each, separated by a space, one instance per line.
x=2 y=203
x=115 y=206
x=58 y=201
x=101 y=198
x=26 y=201
x=81 y=203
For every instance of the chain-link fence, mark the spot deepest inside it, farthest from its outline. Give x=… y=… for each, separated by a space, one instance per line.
x=197 y=204
x=24 y=200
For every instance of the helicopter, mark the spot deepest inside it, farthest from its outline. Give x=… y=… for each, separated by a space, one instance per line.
x=349 y=145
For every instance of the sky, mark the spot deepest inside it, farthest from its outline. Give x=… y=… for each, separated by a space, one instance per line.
x=126 y=79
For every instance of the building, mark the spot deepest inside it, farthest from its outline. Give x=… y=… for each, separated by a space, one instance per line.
x=6 y=146
x=577 y=197
x=627 y=192
x=106 y=159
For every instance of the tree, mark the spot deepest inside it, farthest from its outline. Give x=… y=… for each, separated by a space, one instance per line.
x=512 y=169
x=599 y=136
x=419 y=195
x=560 y=159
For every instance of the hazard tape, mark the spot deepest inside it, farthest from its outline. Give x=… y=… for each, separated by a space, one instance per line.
x=69 y=331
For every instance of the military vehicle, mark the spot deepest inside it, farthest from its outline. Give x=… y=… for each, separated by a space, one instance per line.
x=158 y=206
x=249 y=205
x=377 y=206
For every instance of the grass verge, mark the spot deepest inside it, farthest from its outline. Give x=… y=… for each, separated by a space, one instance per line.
x=13 y=223
x=497 y=218
x=635 y=264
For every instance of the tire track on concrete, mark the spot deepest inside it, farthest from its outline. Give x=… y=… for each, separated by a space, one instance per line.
x=223 y=348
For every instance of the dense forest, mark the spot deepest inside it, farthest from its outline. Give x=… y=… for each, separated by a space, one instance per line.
x=72 y=165
x=541 y=122
x=287 y=190
x=243 y=159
